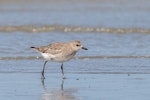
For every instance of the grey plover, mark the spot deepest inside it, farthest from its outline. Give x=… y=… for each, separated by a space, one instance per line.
x=59 y=52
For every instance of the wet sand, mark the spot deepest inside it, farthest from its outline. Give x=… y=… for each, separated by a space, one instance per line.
x=102 y=78
x=29 y=86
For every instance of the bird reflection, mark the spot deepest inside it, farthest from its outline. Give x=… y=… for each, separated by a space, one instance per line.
x=58 y=94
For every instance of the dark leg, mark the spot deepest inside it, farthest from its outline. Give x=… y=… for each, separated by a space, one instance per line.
x=43 y=70
x=62 y=71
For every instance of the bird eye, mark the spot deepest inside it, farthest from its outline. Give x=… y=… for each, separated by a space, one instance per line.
x=77 y=45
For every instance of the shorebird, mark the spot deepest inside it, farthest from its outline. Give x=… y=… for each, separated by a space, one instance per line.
x=59 y=52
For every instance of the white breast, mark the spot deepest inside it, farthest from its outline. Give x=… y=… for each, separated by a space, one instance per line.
x=57 y=57
x=45 y=56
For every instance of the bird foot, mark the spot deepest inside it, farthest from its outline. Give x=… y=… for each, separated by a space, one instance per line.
x=42 y=77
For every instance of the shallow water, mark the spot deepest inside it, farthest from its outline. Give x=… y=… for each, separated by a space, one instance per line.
x=116 y=65
x=52 y=15
x=87 y=86
x=103 y=44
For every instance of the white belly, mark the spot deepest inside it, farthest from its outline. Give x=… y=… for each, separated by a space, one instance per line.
x=57 y=58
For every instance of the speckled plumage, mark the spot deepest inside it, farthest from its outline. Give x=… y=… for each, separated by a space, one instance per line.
x=60 y=51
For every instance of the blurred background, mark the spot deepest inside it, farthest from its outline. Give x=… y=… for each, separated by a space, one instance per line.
x=116 y=33
x=106 y=27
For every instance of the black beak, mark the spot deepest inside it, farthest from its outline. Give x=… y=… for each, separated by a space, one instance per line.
x=84 y=48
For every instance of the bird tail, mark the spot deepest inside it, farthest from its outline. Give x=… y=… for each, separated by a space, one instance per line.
x=39 y=49
x=35 y=48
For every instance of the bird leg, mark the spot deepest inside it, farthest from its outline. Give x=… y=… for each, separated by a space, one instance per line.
x=62 y=71
x=44 y=69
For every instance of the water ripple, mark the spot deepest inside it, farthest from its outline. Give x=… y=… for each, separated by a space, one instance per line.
x=35 y=29
x=79 y=57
